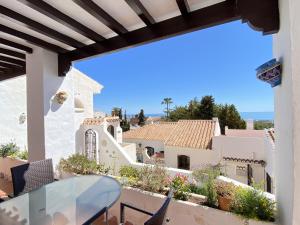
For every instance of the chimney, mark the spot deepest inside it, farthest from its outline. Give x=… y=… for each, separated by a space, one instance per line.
x=250 y=124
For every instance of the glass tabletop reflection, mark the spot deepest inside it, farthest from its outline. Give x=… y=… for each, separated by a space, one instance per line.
x=71 y=201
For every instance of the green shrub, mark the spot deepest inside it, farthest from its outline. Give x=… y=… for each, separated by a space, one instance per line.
x=8 y=149
x=209 y=172
x=129 y=172
x=153 y=178
x=199 y=190
x=80 y=164
x=20 y=155
x=253 y=204
x=207 y=177
x=179 y=184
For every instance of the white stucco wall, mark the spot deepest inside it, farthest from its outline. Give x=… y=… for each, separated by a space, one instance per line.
x=287 y=113
x=157 y=145
x=50 y=132
x=12 y=106
x=53 y=126
x=240 y=147
x=179 y=212
x=199 y=158
x=258 y=172
x=270 y=156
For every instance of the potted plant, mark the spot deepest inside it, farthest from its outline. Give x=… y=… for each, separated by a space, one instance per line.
x=225 y=192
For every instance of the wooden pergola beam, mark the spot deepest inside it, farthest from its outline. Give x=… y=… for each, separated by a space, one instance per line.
x=12 y=60
x=62 y=18
x=183 y=7
x=9 y=66
x=38 y=27
x=32 y=39
x=141 y=11
x=15 y=45
x=7 y=74
x=12 y=53
x=102 y=16
x=200 y=19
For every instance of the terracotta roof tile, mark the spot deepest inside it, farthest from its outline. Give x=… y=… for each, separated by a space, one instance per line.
x=184 y=133
x=155 y=132
x=192 y=134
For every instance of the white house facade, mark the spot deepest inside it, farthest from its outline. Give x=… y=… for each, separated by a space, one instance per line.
x=79 y=90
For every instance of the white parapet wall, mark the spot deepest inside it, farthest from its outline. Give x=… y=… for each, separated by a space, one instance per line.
x=112 y=154
x=179 y=212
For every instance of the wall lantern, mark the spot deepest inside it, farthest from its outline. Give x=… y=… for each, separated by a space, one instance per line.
x=270 y=72
x=61 y=97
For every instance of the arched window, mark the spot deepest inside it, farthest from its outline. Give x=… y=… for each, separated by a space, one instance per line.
x=91 y=144
x=111 y=130
x=150 y=151
x=183 y=162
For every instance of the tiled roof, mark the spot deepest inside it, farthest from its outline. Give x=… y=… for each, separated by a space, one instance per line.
x=99 y=121
x=192 y=134
x=244 y=133
x=155 y=132
x=184 y=133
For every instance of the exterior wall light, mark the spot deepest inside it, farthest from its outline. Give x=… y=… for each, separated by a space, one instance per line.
x=270 y=72
x=61 y=97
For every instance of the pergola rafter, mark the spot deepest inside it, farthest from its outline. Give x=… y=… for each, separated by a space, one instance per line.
x=12 y=53
x=15 y=45
x=102 y=16
x=36 y=26
x=62 y=18
x=260 y=15
x=32 y=39
x=141 y=11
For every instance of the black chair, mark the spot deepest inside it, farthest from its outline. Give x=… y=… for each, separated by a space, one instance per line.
x=157 y=218
x=30 y=176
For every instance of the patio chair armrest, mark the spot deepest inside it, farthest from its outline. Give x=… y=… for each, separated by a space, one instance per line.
x=122 y=207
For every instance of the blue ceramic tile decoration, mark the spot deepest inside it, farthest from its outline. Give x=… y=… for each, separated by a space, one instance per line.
x=270 y=72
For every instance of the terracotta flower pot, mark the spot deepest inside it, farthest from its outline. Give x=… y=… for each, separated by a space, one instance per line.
x=224 y=203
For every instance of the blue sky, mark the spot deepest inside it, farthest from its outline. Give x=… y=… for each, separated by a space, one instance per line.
x=218 y=61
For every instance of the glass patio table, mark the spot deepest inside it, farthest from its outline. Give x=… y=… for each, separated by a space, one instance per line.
x=76 y=200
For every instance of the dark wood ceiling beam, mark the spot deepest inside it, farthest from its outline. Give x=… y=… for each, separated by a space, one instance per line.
x=12 y=60
x=15 y=45
x=203 y=18
x=62 y=18
x=101 y=15
x=141 y=11
x=32 y=39
x=12 y=53
x=9 y=66
x=183 y=7
x=38 y=27
x=7 y=74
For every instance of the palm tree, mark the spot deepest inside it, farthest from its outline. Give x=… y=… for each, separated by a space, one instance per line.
x=168 y=102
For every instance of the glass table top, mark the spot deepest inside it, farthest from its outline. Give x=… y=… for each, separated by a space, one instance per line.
x=66 y=202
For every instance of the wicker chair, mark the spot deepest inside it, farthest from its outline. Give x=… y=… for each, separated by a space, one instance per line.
x=30 y=176
x=157 y=218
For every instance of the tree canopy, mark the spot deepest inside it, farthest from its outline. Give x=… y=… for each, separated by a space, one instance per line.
x=206 y=109
x=141 y=118
x=167 y=102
